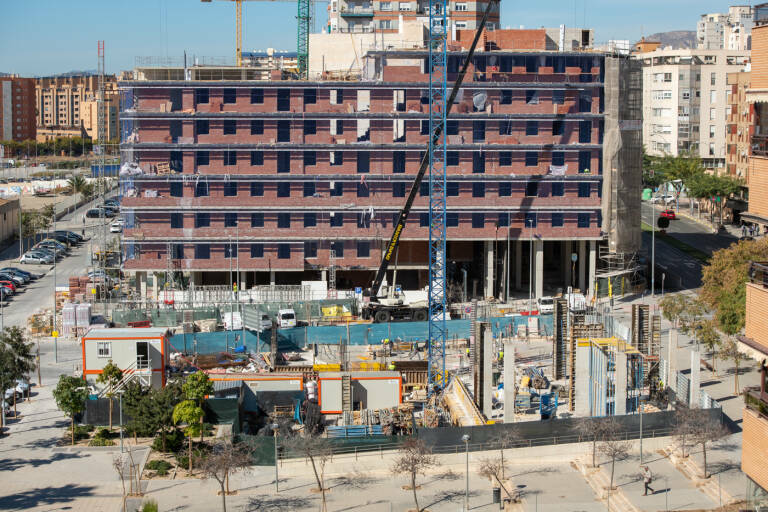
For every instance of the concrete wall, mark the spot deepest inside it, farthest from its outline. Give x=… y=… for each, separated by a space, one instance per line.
x=370 y=391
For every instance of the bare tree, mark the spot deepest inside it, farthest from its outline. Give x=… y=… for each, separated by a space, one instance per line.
x=224 y=459
x=319 y=451
x=590 y=429
x=613 y=444
x=699 y=426
x=119 y=464
x=506 y=439
x=413 y=459
x=493 y=469
x=684 y=428
x=730 y=351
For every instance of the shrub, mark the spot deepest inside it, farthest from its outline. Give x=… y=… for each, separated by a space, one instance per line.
x=101 y=441
x=161 y=466
x=182 y=460
x=174 y=441
x=82 y=431
x=149 y=506
x=104 y=433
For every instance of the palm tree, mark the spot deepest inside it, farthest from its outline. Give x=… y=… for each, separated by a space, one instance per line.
x=77 y=183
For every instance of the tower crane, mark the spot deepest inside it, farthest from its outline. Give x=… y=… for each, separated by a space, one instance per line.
x=303 y=16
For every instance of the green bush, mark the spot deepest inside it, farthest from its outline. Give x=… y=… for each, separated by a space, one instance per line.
x=101 y=441
x=82 y=431
x=161 y=466
x=104 y=433
x=149 y=506
x=182 y=460
x=174 y=440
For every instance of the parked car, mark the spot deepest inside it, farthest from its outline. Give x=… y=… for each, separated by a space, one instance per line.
x=36 y=257
x=546 y=304
x=25 y=276
x=48 y=252
x=8 y=284
x=663 y=199
x=70 y=234
x=668 y=214
x=286 y=318
x=53 y=244
x=62 y=239
x=5 y=292
x=97 y=213
x=17 y=281
x=116 y=226
x=112 y=202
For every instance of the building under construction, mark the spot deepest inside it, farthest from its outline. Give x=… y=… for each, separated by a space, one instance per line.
x=233 y=179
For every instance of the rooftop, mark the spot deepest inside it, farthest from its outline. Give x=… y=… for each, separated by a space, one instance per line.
x=130 y=334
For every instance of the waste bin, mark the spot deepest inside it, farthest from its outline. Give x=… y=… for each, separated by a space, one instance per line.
x=496 y=495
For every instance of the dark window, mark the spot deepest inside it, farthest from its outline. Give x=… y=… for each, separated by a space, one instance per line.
x=531 y=159
x=257 y=250
x=585 y=132
x=337 y=157
x=505 y=127
x=363 y=249
x=451 y=220
x=582 y=220
x=363 y=220
x=398 y=189
x=363 y=161
x=177 y=220
x=230 y=188
x=478 y=220
x=339 y=126
x=503 y=221
x=201 y=189
x=257 y=95
x=202 y=158
x=310 y=127
x=257 y=188
x=557 y=127
x=424 y=127
x=478 y=189
x=452 y=189
x=229 y=250
x=230 y=158
x=257 y=220
x=284 y=220
x=202 y=220
x=452 y=158
x=230 y=95
x=585 y=101
x=478 y=131
x=558 y=97
x=558 y=189
x=338 y=248
x=257 y=158
x=310 y=96
x=201 y=96
x=283 y=131
x=310 y=220
x=283 y=189
x=506 y=97
x=478 y=162
x=531 y=127
x=558 y=158
x=337 y=189
x=283 y=161
x=557 y=220
x=309 y=188
x=505 y=158
x=283 y=100
x=531 y=64
x=177 y=251
x=424 y=189
x=362 y=190
x=532 y=189
x=337 y=219
x=176 y=161
x=284 y=252
x=202 y=127
x=310 y=158
x=585 y=161
x=398 y=162
x=530 y=220
x=505 y=189
x=531 y=96
x=177 y=189
x=310 y=249
x=585 y=189
x=339 y=96
x=202 y=251
x=452 y=127
x=423 y=220
x=230 y=219
x=257 y=127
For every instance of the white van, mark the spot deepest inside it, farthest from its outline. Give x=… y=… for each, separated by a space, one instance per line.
x=546 y=304
x=286 y=318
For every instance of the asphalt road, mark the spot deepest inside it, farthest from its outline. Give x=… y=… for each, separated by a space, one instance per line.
x=688 y=231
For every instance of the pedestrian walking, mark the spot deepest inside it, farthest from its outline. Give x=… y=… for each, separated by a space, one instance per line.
x=647 y=479
x=743 y=230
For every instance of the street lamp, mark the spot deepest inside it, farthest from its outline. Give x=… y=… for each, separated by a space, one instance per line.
x=274 y=429
x=663 y=275
x=465 y=438
x=529 y=223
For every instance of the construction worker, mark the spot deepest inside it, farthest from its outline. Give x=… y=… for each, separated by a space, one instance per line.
x=501 y=356
x=391 y=366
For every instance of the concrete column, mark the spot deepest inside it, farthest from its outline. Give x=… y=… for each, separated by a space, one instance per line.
x=243 y=280
x=538 y=271
x=489 y=256
x=509 y=381
x=582 y=265
x=323 y=275
x=592 y=266
x=154 y=286
x=567 y=263
x=487 y=362
x=272 y=277
x=518 y=264
x=620 y=389
x=141 y=280
x=693 y=399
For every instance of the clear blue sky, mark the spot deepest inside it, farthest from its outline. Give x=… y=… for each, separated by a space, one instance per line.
x=41 y=37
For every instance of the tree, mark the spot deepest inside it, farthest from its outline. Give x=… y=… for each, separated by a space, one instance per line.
x=505 y=439
x=162 y=403
x=697 y=426
x=224 y=459
x=709 y=336
x=196 y=387
x=22 y=356
x=730 y=350
x=190 y=414
x=77 y=183
x=613 y=445
x=590 y=428
x=413 y=459
x=712 y=186
x=493 y=469
x=110 y=375
x=47 y=214
x=7 y=379
x=134 y=395
x=724 y=282
x=318 y=450
x=70 y=395
x=28 y=225
x=680 y=170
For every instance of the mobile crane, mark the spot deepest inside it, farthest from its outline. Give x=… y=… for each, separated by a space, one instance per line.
x=390 y=305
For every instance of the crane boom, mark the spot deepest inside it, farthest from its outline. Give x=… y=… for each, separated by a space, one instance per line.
x=394 y=241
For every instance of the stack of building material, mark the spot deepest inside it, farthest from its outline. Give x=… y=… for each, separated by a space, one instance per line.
x=69 y=319
x=83 y=317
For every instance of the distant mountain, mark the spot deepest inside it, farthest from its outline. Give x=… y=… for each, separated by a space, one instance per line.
x=675 y=38
x=73 y=73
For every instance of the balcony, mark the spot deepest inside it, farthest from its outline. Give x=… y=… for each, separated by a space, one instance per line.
x=760 y=145
x=357 y=12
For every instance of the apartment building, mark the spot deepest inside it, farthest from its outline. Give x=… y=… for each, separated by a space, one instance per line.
x=274 y=181
x=740 y=126
x=383 y=16
x=62 y=105
x=726 y=31
x=685 y=101
x=17 y=108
